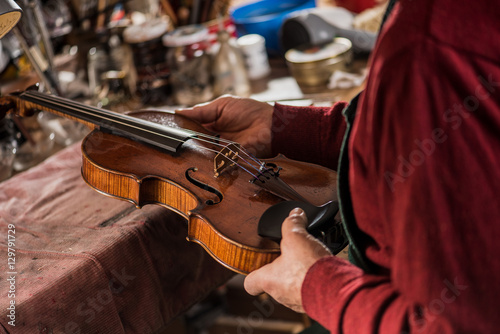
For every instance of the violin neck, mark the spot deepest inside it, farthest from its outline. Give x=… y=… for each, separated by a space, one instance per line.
x=135 y=128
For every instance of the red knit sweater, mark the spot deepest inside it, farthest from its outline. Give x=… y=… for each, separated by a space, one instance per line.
x=424 y=177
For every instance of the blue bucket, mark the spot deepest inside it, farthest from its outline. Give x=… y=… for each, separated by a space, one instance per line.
x=265 y=17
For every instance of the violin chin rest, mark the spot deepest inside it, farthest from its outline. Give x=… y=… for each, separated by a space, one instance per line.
x=319 y=218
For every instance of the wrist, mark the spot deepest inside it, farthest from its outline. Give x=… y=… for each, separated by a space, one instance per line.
x=310 y=134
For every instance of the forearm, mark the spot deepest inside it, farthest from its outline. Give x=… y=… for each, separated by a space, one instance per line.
x=311 y=134
x=354 y=302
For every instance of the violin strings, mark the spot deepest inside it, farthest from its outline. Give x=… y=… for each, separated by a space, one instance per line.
x=129 y=121
x=232 y=160
x=228 y=142
x=231 y=150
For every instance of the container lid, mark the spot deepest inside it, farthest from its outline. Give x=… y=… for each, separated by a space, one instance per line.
x=10 y=14
x=146 y=31
x=186 y=35
x=314 y=53
x=251 y=41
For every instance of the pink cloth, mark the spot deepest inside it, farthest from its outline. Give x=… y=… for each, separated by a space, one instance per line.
x=87 y=263
x=424 y=179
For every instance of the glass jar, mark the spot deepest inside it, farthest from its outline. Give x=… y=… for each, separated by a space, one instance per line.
x=190 y=64
x=152 y=74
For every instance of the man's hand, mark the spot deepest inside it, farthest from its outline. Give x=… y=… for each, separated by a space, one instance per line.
x=242 y=120
x=282 y=279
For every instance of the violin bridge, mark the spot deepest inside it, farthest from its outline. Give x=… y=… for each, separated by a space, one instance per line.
x=227 y=157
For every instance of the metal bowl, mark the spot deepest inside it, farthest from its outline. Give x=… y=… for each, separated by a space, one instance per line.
x=313 y=65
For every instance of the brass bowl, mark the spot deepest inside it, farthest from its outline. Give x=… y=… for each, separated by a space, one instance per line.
x=313 y=65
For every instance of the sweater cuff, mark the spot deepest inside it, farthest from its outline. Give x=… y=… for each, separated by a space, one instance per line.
x=310 y=134
x=313 y=279
x=325 y=280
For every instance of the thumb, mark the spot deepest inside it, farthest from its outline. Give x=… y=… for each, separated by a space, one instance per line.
x=295 y=222
x=203 y=113
x=254 y=282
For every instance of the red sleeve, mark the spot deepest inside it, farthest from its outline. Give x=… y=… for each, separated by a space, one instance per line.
x=424 y=178
x=311 y=134
x=352 y=301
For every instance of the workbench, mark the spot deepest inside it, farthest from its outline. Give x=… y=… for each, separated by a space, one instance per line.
x=81 y=262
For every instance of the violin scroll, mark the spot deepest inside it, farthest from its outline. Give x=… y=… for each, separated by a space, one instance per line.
x=7 y=106
x=13 y=104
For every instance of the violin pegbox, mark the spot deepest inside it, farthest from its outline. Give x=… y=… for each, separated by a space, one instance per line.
x=226 y=157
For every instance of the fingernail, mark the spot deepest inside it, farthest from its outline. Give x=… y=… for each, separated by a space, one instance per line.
x=296 y=211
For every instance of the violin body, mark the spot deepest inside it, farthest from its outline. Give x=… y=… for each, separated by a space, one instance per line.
x=142 y=174
x=154 y=157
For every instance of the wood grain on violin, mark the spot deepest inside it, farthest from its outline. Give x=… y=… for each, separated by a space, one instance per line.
x=220 y=189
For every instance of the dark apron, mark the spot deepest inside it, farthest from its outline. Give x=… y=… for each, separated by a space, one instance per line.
x=354 y=235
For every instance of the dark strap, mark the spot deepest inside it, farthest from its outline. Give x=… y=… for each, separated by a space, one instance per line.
x=355 y=236
x=388 y=11
x=351 y=230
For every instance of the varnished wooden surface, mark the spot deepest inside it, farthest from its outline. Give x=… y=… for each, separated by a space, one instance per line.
x=142 y=174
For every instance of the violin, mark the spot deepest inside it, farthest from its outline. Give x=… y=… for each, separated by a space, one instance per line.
x=233 y=202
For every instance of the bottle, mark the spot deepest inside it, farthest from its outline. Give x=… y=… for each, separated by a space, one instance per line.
x=151 y=72
x=253 y=47
x=229 y=72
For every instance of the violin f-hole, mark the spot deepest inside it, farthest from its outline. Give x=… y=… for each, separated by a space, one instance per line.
x=203 y=186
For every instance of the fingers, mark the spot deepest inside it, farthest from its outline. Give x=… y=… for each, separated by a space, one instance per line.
x=254 y=281
x=295 y=222
x=208 y=112
x=282 y=279
x=203 y=113
x=295 y=235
